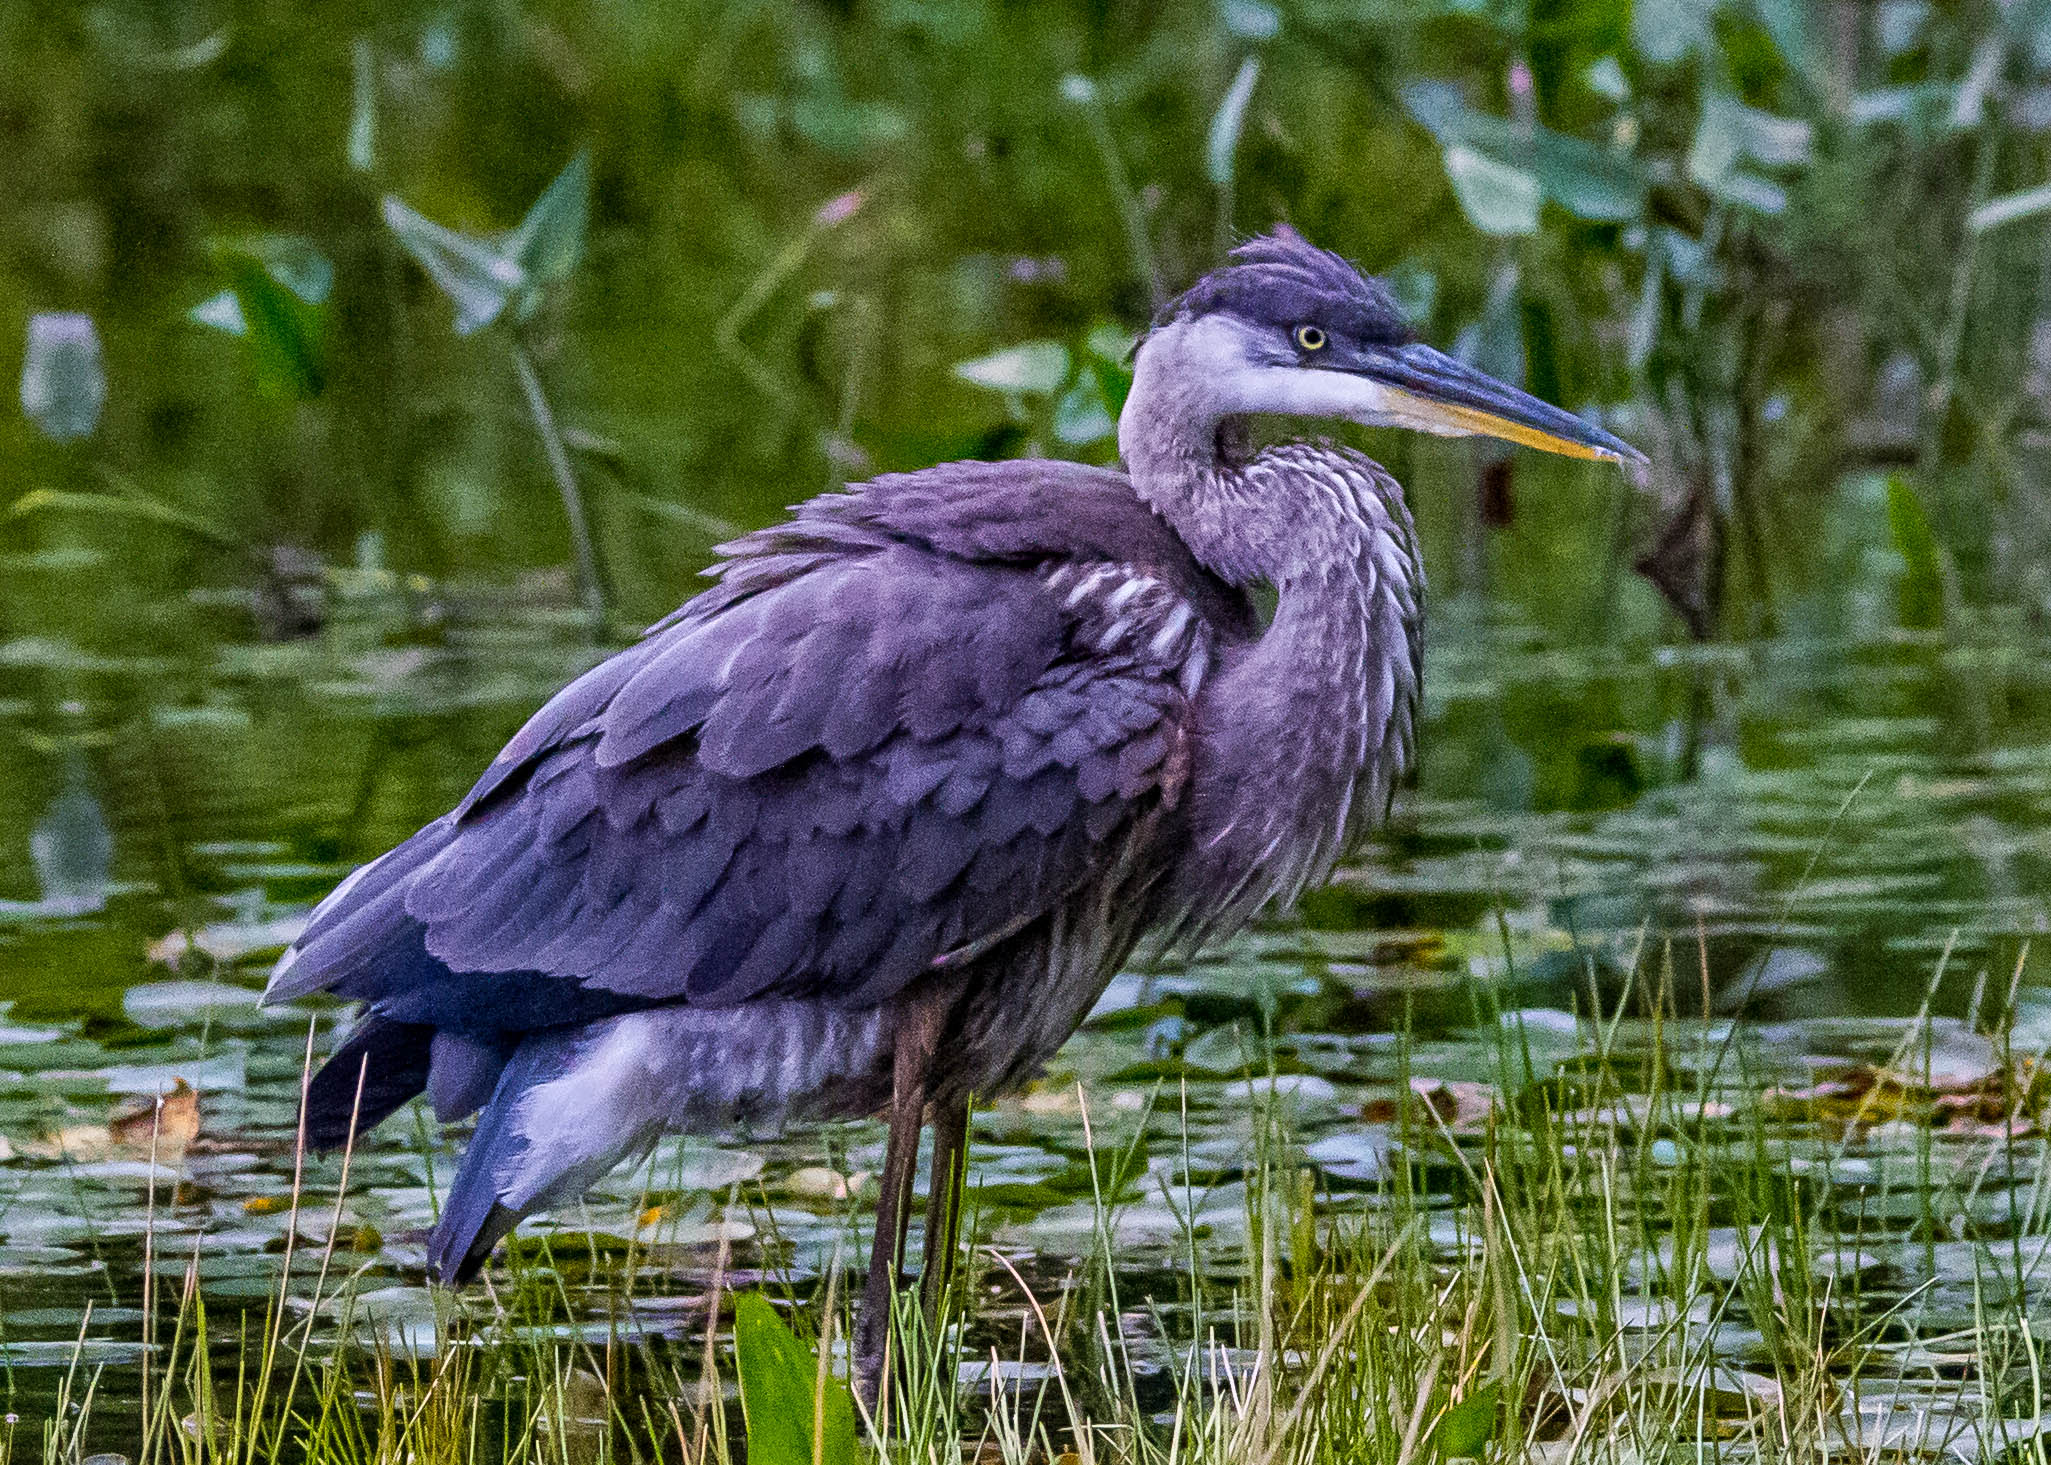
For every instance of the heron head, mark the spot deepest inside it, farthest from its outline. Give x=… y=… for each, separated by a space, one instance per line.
x=1289 y=329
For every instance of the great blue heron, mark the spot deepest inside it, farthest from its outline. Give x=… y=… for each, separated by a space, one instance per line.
x=867 y=826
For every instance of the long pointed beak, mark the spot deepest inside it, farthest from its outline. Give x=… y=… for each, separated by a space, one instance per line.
x=1431 y=392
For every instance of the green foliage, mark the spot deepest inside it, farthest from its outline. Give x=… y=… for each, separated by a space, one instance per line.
x=1466 y=1427
x=549 y=242
x=63 y=379
x=1586 y=180
x=1921 y=591
x=482 y=278
x=279 y=292
x=128 y=506
x=797 y=1412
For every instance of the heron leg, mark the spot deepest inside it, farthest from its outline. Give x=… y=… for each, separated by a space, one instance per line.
x=943 y=1204
x=918 y=1034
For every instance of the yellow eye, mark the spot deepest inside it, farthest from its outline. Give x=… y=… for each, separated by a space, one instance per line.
x=1310 y=338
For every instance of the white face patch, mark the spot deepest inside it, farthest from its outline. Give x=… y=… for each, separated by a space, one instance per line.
x=1215 y=367
x=1343 y=396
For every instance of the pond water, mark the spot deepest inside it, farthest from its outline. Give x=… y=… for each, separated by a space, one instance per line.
x=1811 y=831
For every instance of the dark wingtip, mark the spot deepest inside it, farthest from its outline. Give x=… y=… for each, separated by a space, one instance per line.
x=457 y=1251
x=376 y=1069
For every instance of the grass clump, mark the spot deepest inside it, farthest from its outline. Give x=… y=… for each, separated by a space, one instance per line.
x=1652 y=1247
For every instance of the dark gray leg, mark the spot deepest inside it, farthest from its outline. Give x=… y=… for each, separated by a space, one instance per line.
x=918 y=1034
x=943 y=1205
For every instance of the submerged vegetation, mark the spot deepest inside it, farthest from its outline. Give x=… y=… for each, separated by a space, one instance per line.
x=378 y=371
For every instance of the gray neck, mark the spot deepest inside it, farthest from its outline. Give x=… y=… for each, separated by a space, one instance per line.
x=1303 y=735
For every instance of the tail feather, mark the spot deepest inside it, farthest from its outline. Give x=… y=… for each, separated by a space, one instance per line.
x=474 y=1219
x=387 y=1060
x=569 y=1104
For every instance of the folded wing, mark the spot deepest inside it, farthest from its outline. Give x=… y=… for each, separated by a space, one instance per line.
x=855 y=759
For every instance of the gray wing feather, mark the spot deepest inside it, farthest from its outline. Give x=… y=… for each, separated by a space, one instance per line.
x=849 y=759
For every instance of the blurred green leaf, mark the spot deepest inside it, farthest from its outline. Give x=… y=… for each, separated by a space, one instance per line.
x=1250 y=20
x=1416 y=288
x=1586 y=180
x=222 y=312
x=1465 y=1429
x=781 y=1384
x=1729 y=135
x=1080 y=416
x=2010 y=208
x=1109 y=350
x=838 y=124
x=477 y=279
x=1605 y=77
x=362 y=107
x=286 y=332
x=1990 y=59
x=1495 y=341
x=1898 y=24
x=1498 y=199
x=1032 y=368
x=550 y=241
x=1921 y=592
x=276 y=302
x=294 y=262
x=1666 y=31
x=63 y=378
x=1223 y=143
x=130 y=506
x=1787 y=22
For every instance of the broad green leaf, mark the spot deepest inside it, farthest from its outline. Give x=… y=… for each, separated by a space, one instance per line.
x=550 y=240
x=1109 y=350
x=1080 y=415
x=1464 y=1430
x=63 y=379
x=1230 y=120
x=1588 y=181
x=1731 y=132
x=1497 y=198
x=1921 y=593
x=1495 y=341
x=1787 y=21
x=1729 y=135
x=1776 y=142
x=781 y=1394
x=1665 y=31
x=294 y=262
x=1898 y=24
x=1111 y=342
x=279 y=286
x=478 y=280
x=1990 y=59
x=1605 y=77
x=846 y=125
x=287 y=334
x=1032 y=368
x=223 y=312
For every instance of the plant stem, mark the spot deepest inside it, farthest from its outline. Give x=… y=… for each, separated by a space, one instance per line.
x=1130 y=211
x=589 y=589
